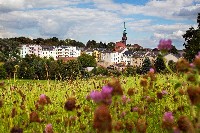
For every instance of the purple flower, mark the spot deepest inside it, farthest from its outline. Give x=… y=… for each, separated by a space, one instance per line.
x=96 y=96
x=135 y=109
x=151 y=70
x=49 y=128
x=198 y=56
x=164 y=92
x=106 y=91
x=192 y=65
x=165 y=44
x=125 y=99
x=168 y=117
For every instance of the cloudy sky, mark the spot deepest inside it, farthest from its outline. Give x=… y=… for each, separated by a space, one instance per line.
x=147 y=21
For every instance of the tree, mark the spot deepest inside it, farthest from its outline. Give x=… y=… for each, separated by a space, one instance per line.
x=87 y=60
x=159 y=64
x=91 y=44
x=192 y=41
x=9 y=49
x=110 y=45
x=73 y=69
x=173 y=50
x=146 y=65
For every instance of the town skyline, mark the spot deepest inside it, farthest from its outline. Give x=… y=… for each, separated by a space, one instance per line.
x=101 y=20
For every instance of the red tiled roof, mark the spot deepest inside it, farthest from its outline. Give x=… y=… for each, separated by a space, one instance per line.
x=119 y=45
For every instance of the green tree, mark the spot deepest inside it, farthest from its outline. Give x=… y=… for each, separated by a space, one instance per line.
x=87 y=60
x=110 y=45
x=9 y=49
x=192 y=41
x=159 y=64
x=73 y=69
x=146 y=65
x=25 y=71
x=91 y=44
x=173 y=50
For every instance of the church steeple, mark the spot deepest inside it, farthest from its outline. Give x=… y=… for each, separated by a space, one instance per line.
x=124 y=38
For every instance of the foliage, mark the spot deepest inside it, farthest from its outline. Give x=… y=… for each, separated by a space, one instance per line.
x=159 y=64
x=172 y=65
x=3 y=73
x=146 y=65
x=8 y=49
x=100 y=71
x=130 y=71
x=87 y=60
x=72 y=69
x=192 y=42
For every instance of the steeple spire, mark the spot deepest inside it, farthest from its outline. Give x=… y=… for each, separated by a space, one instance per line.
x=124 y=38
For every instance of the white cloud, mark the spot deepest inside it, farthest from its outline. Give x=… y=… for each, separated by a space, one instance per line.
x=102 y=20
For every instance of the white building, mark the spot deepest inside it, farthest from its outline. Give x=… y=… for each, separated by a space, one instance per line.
x=50 y=51
x=30 y=50
x=113 y=57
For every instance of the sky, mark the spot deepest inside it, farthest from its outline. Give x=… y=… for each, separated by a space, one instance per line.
x=147 y=21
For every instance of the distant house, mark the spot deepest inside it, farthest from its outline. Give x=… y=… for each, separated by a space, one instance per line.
x=139 y=56
x=135 y=46
x=172 y=57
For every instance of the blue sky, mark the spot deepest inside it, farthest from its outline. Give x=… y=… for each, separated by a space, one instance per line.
x=147 y=21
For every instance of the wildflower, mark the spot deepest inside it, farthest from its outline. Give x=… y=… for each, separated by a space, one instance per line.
x=168 y=120
x=159 y=95
x=117 y=89
x=194 y=95
x=1 y=103
x=182 y=65
x=34 y=117
x=43 y=99
x=106 y=92
x=16 y=130
x=118 y=126
x=96 y=96
x=2 y=84
x=192 y=65
x=191 y=78
x=185 y=125
x=125 y=99
x=129 y=126
x=164 y=92
x=49 y=128
x=197 y=61
x=14 y=112
x=143 y=82
x=70 y=104
x=152 y=70
x=102 y=119
x=130 y=91
x=82 y=127
x=165 y=45
x=141 y=126
x=181 y=91
x=176 y=130
x=134 y=109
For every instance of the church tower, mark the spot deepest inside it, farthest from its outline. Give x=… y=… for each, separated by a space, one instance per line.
x=124 y=38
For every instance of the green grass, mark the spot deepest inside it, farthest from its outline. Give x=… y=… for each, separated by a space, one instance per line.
x=59 y=91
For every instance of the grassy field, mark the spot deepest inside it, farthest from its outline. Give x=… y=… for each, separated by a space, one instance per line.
x=139 y=109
